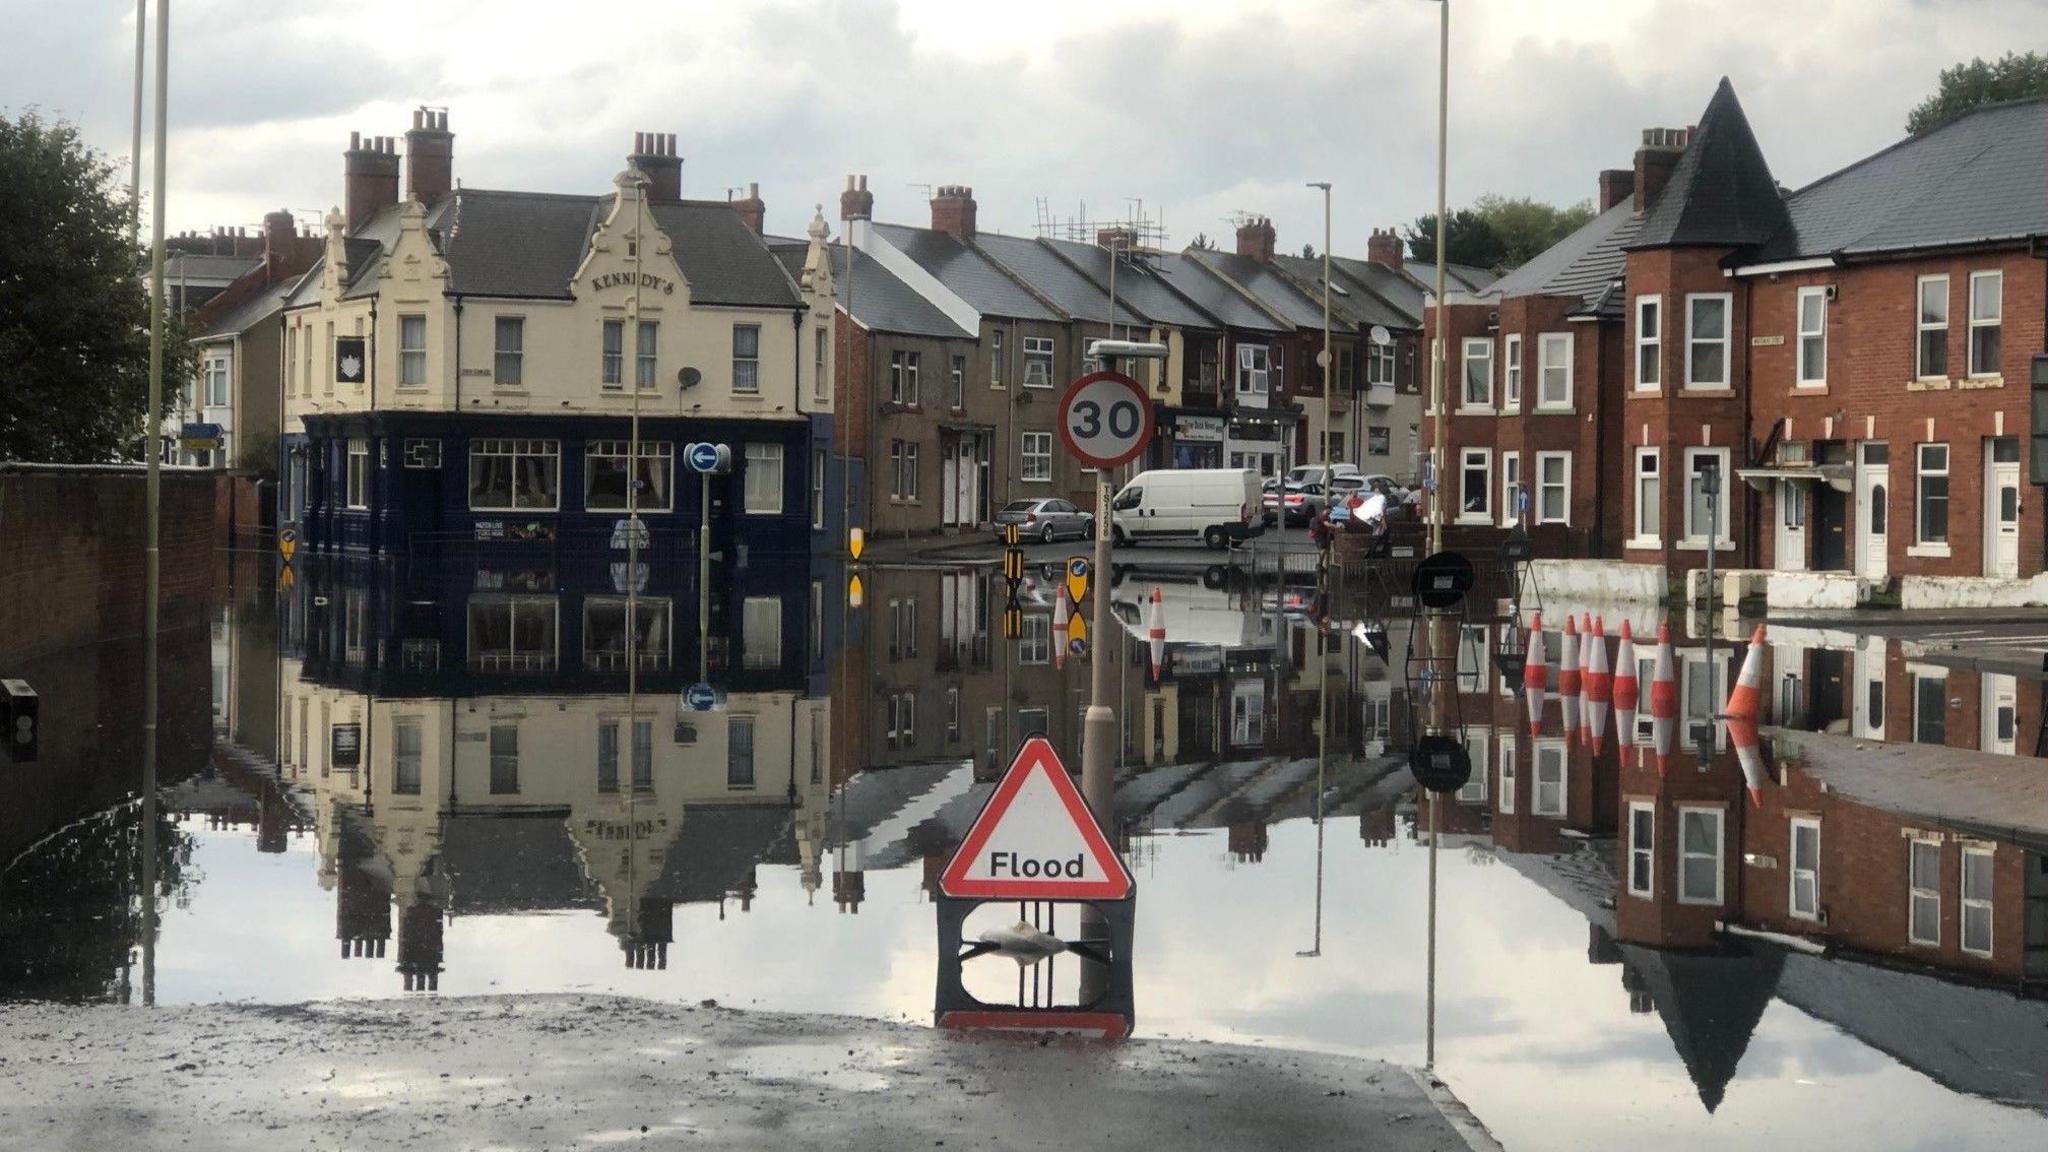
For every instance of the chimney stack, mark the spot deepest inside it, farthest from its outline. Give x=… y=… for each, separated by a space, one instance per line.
x=1255 y=239
x=654 y=156
x=1116 y=238
x=752 y=211
x=429 y=156
x=953 y=211
x=1384 y=247
x=370 y=168
x=1616 y=185
x=1654 y=162
x=856 y=203
x=280 y=240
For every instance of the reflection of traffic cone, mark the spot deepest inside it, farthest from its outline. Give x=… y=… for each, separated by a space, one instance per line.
x=1627 y=688
x=1746 y=702
x=1663 y=699
x=1599 y=687
x=1059 y=630
x=1568 y=679
x=1155 y=632
x=1533 y=672
x=1749 y=752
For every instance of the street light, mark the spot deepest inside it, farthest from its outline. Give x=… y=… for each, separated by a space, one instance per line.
x=1438 y=366
x=1324 y=358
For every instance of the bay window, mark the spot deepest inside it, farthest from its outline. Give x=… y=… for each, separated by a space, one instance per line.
x=1554 y=370
x=1478 y=375
x=1707 y=340
x=1813 y=338
x=1649 y=342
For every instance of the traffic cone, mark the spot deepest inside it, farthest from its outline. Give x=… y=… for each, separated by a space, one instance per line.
x=1747 y=700
x=1568 y=679
x=1155 y=632
x=1533 y=672
x=1750 y=754
x=1599 y=687
x=1627 y=688
x=1059 y=630
x=1663 y=699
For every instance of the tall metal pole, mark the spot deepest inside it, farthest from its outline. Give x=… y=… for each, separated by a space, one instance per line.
x=1429 y=1024
x=153 y=498
x=1439 y=367
x=135 y=147
x=632 y=732
x=1326 y=359
x=704 y=575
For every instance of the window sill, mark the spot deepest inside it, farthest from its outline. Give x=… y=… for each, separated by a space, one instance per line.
x=748 y=397
x=1472 y=411
x=1635 y=895
x=1555 y=410
x=1815 y=387
x=1974 y=381
x=1481 y=519
x=1929 y=384
x=1694 y=544
x=1646 y=543
x=1929 y=551
x=1708 y=390
x=1036 y=480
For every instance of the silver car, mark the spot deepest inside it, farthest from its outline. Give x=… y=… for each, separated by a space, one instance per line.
x=1046 y=519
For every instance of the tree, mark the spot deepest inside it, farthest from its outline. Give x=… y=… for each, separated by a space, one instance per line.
x=1973 y=85
x=1202 y=242
x=1308 y=251
x=1469 y=240
x=74 y=317
x=1498 y=232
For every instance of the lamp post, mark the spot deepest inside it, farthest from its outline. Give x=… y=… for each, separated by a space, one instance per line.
x=1324 y=358
x=152 y=452
x=1438 y=364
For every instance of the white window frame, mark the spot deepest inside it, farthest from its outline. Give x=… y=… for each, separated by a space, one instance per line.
x=1793 y=872
x=517 y=448
x=611 y=353
x=1649 y=338
x=646 y=354
x=1034 y=467
x=905 y=367
x=1719 y=856
x=1726 y=340
x=1641 y=538
x=1695 y=534
x=1643 y=849
x=746 y=370
x=1996 y=278
x=1917 y=673
x=504 y=357
x=995 y=359
x=761 y=632
x=1916 y=892
x=215 y=370
x=1034 y=639
x=1511 y=372
x=764 y=461
x=412 y=357
x=1564 y=487
x=661 y=453
x=1554 y=751
x=357 y=480
x=1475 y=515
x=1984 y=858
x=1546 y=343
x=1254 y=370
x=1038 y=353
x=1818 y=335
x=818 y=465
x=1477 y=745
x=1475 y=350
x=1509 y=772
x=1510 y=482
x=1921 y=475
x=821 y=380
x=1921 y=326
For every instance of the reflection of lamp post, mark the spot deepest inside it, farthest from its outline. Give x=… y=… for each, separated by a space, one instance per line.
x=1439 y=366
x=1324 y=358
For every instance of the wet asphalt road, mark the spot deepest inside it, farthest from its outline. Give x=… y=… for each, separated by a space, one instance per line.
x=545 y=1072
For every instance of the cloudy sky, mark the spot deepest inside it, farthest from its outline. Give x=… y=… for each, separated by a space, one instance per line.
x=1201 y=108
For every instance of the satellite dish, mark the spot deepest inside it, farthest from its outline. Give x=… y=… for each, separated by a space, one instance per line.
x=689 y=378
x=1380 y=335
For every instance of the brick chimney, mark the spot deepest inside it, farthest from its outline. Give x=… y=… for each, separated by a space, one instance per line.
x=752 y=211
x=1654 y=162
x=1255 y=239
x=953 y=211
x=1384 y=247
x=654 y=156
x=370 y=170
x=1616 y=185
x=280 y=244
x=429 y=156
x=1117 y=238
x=856 y=203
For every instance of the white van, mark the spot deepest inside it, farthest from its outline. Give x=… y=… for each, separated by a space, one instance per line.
x=1213 y=505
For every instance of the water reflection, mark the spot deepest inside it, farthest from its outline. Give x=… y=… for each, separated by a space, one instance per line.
x=419 y=779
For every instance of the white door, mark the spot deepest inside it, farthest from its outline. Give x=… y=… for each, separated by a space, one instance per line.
x=2000 y=713
x=1869 y=704
x=948 y=480
x=968 y=472
x=1793 y=498
x=2002 y=507
x=1873 y=510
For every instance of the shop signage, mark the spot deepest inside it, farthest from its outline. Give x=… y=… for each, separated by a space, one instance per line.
x=1207 y=428
x=666 y=286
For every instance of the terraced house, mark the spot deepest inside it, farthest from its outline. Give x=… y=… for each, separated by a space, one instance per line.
x=462 y=364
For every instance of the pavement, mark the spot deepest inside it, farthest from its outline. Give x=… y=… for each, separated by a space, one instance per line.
x=570 y=1071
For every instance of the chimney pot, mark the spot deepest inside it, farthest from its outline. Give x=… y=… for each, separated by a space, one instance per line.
x=429 y=157
x=654 y=157
x=752 y=211
x=856 y=203
x=1384 y=247
x=1255 y=238
x=1654 y=163
x=370 y=177
x=953 y=211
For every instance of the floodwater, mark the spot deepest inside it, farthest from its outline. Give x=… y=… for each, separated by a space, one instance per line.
x=393 y=779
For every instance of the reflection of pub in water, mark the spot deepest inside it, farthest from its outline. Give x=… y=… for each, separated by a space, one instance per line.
x=1909 y=929
x=474 y=751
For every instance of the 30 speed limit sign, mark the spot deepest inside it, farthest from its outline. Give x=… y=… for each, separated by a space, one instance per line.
x=1105 y=419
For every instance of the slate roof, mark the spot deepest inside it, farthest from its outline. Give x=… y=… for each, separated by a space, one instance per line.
x=194 y=266
x=965 y=272
x=1710 y=1004
x=1036 y=263
x=1348 y=305
x=1187 y=275
x=259 y=306
x=1458 y=277
x=716 y=849
x=1395 y=288
x=513 y=863
x=1268 y=287
x=882 y=302
x=1721 y=194
x=723 y=259
x=1977 y=178
x=1584 y=264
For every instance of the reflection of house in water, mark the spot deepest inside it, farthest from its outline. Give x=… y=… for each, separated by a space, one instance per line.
x=516 y=774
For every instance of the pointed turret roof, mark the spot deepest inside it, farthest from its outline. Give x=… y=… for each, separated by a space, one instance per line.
x=1721 y=194
x=1710 y=1003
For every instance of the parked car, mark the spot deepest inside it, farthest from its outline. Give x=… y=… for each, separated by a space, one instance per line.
x=1300 y=503
x=1319 y=473
x=1046 y=519
x=1269 y=501
x=1214 y=505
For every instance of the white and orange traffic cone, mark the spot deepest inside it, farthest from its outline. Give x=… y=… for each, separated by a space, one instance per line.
x=1534 y=670
x=1568 y=679
x=1663 y=700
x=1060 y=616
x=1627 y=688
x=1746 y=702
x=1599 y=687
x=1155 y=632
x=1742 y=732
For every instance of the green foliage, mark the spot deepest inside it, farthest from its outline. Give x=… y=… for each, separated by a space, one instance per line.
x=1202 y=242
x=1308 y=251
x=1498 y=232
x=1973 y=85
x=74 y=316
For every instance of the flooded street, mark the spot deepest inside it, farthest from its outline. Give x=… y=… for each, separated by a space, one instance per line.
x=416 y=780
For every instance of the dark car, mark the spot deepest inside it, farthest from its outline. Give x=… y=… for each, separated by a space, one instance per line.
x=1046 y=519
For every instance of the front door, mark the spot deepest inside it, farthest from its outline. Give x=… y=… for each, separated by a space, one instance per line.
x=965 y=476
x=1827 y=695
x=2000 y=714
x=949 y=481
x=1872 y=510
x=1793 y=497
x=1869 y=704
x=1829 y=526
x=2002 y=507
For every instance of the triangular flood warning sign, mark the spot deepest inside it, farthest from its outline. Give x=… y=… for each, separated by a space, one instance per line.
x=1036 y=840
